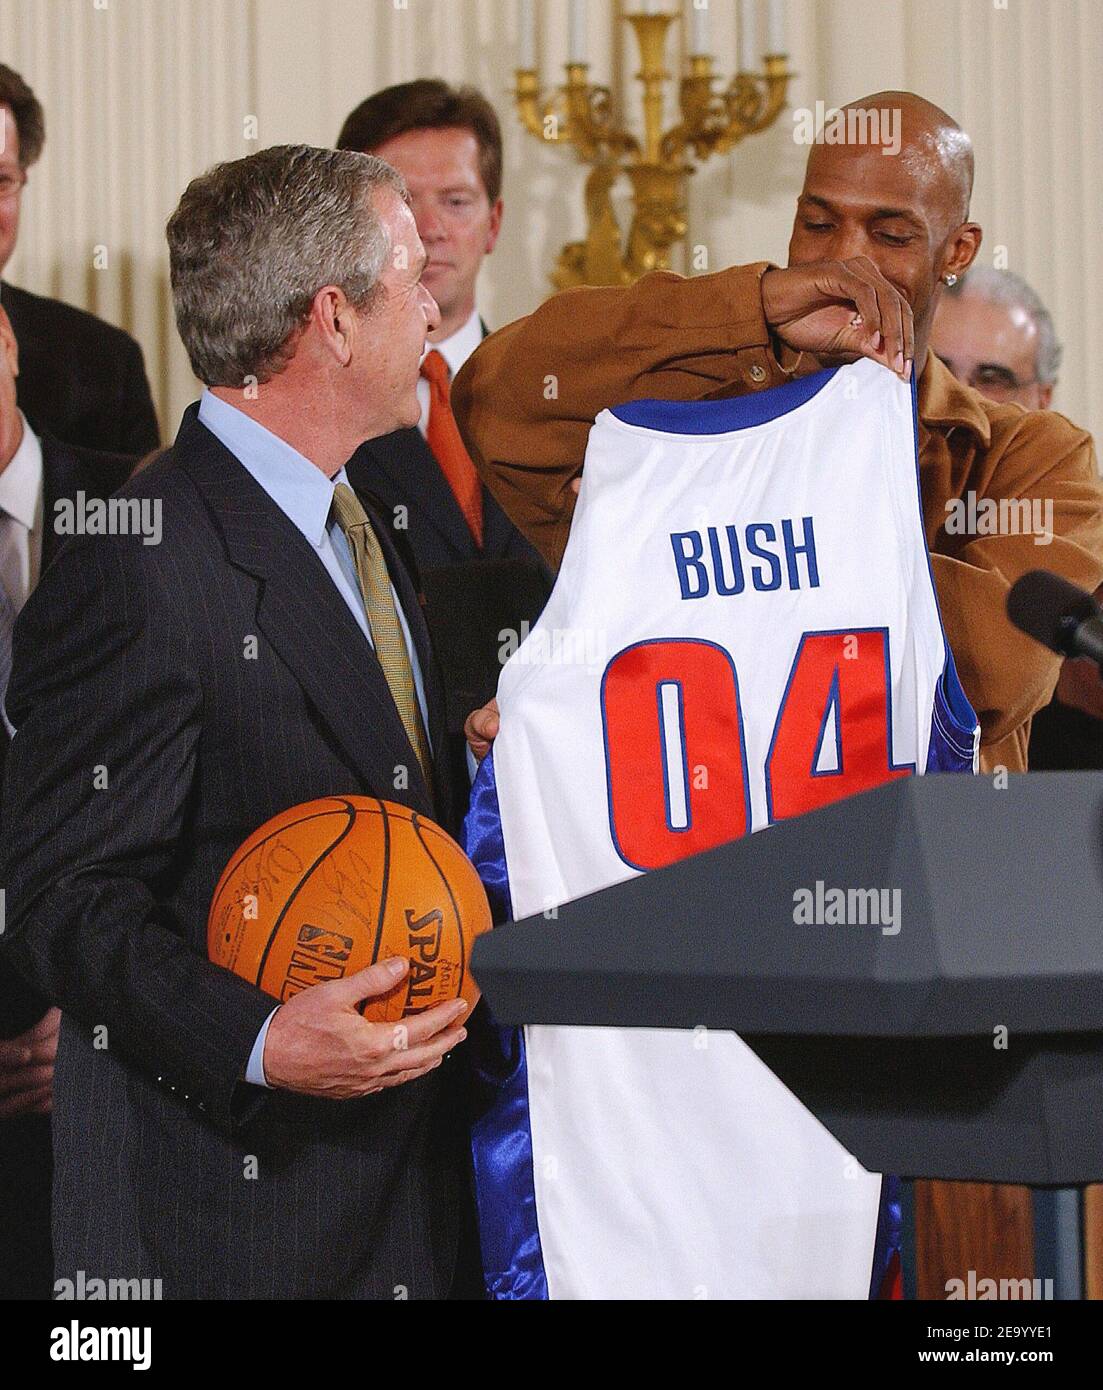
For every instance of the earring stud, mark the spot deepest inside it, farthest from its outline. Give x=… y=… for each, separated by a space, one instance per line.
x=949 y=279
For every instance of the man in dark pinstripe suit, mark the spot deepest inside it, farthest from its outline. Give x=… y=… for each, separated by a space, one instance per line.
x=168 y=698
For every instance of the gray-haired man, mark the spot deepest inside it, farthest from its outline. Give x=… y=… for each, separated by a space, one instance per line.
x=995 y=334
x=993 y=331
x=170 y=698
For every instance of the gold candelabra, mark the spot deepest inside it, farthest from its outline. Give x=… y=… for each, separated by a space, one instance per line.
x=580 y=114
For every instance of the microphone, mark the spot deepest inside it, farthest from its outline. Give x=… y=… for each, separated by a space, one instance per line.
x=1061 y=616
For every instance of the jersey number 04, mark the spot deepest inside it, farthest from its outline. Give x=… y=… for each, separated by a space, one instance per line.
x=676 y=758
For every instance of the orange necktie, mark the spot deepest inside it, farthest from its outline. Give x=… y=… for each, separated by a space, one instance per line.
x=443 y=438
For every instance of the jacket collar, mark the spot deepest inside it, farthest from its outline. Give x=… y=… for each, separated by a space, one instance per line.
x=415 y=477
x=943 y=402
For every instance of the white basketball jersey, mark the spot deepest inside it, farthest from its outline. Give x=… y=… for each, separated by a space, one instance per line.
x=744 y=627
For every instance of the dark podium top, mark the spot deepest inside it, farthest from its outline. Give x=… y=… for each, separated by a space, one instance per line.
x=950 y=1025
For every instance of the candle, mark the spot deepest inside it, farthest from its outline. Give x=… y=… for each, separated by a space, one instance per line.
x=699 y=32
x=576 y=32
x=748 y=38
x=775 y=27
x=526 y=29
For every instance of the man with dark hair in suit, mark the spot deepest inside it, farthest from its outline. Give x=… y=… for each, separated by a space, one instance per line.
x=36 y=473
x=447 y=145
x=168 y=699
x=81 y=379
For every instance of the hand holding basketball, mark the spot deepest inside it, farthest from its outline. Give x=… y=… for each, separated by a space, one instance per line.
x=319 y=1045
x=359 y=914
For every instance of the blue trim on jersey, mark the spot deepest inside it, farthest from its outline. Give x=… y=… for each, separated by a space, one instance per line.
x=501 y=1137
x=957 y=706
x=724 y=416
x=890 y=1229
x=951 y=745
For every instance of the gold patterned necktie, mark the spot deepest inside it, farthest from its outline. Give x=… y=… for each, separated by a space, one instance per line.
x=386 y=631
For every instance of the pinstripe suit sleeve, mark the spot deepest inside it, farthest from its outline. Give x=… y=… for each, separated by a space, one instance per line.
x=107 y=704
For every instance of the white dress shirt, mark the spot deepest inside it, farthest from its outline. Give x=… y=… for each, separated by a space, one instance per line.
x=22 y=502
x=22 y=489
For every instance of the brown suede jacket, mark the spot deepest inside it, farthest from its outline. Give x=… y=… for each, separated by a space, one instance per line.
x=526 y=399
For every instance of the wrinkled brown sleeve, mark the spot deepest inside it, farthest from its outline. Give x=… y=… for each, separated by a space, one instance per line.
x=527 y=397
x=1008 y=676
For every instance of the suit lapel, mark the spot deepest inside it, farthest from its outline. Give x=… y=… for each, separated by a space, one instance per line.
x=412 y=472
x=302 y=615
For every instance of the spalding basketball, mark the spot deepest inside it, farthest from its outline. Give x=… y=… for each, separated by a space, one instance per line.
x=331 y=886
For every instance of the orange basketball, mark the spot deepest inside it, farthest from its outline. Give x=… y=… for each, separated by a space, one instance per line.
x=332 y=886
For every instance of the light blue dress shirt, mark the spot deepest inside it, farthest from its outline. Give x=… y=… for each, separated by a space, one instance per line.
x=305 y=496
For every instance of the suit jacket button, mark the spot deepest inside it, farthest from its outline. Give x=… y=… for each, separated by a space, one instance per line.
x=758 y=373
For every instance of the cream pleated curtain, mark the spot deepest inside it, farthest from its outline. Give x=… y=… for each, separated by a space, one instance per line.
x=141 y=95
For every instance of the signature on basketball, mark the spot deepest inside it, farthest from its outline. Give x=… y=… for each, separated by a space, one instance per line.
x=275 y=861
x=351 y=880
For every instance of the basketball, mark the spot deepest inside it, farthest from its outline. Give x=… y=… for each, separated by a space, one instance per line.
x=326 y=888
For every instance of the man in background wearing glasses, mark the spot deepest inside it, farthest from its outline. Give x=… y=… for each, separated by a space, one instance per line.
x=995 y=334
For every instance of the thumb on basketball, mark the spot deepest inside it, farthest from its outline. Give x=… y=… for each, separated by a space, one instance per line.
x=373 y=980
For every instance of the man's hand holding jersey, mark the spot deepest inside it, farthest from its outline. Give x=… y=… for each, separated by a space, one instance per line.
x=839 y=311
x=481 y=729
x=836 y=310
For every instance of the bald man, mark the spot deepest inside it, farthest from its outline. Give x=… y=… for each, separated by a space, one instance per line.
x=875 y=240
